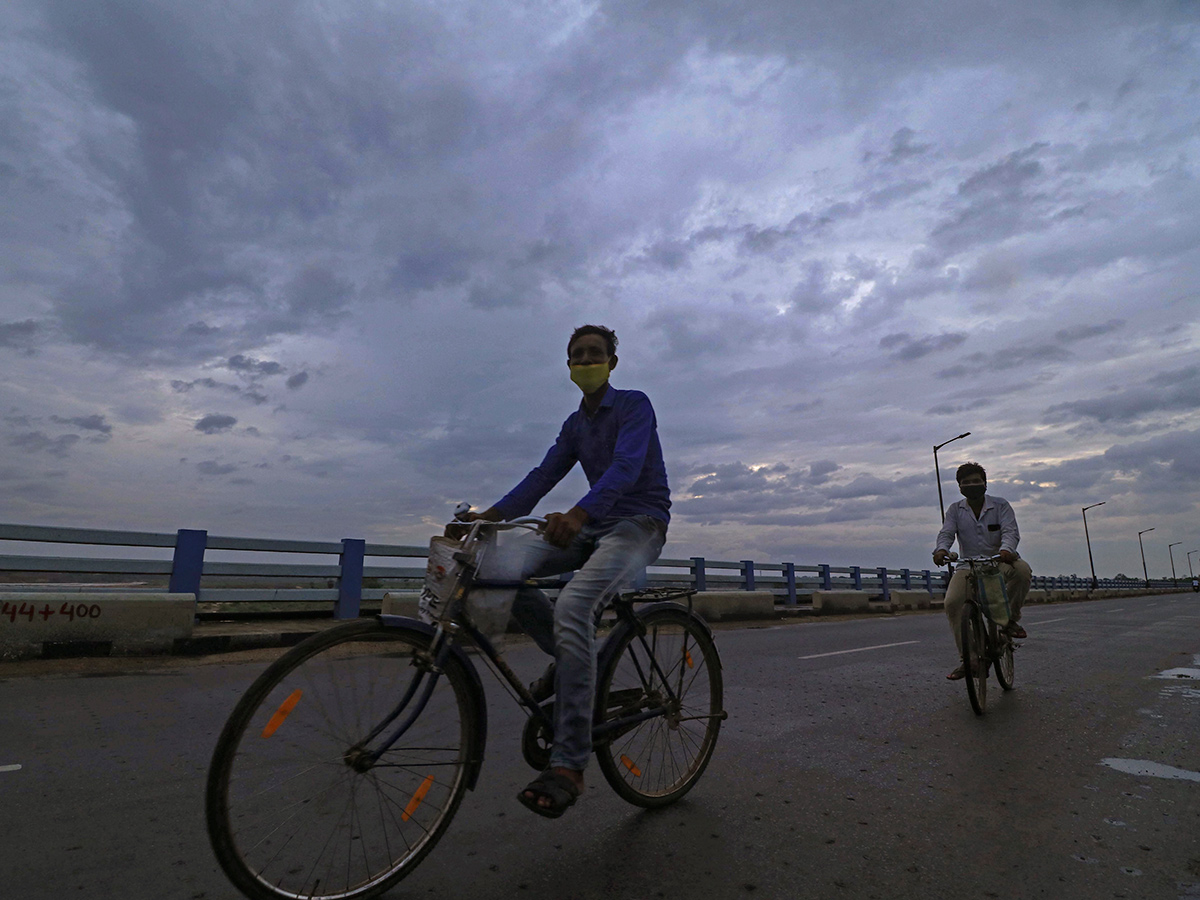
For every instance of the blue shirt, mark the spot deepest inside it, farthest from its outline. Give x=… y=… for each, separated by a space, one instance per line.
x=621 y=457
x=993 y=531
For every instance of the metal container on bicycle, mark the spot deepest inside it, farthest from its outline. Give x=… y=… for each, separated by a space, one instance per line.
x=487 y=608
x=993 y=593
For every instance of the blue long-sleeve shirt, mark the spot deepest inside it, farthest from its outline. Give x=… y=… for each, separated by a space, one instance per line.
x=619 y=450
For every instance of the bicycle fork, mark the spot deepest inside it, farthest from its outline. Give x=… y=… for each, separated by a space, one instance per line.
x=430 y=665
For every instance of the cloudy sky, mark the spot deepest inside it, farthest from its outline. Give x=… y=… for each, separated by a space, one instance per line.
x=297 y=269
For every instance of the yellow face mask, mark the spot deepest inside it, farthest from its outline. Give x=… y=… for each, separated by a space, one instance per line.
x=590 y=378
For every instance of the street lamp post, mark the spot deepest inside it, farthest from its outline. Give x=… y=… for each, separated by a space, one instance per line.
x=1174 y=582
x=1089 y=540
x=1145 y=576
x=937 y=472
x=1191 y=574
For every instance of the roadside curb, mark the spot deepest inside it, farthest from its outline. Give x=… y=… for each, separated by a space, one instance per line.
x=213 y=638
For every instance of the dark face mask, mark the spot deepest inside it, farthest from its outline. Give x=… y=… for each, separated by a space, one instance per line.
x=973 y=491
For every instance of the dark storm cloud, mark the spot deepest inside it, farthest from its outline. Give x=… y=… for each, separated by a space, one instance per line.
x=251 y=393
x=39 y=442
x=1000 y=202
x=297 y=381
x=1172 y=457
x=736 y=477
x=753 y=494
x=19 y=335
x=1159 y=465
x=250 y=366
x=1083 y=332
x=696 y=332
x=211 y=467
x=1027 y=354
x=780 y=496
x=94 y=422
x=904 y=346
x=215 y=423
x=954 y=409
x=819 y=472
x=1175 y=391
x=884 y=197
x=903 y=147
x=820 y=292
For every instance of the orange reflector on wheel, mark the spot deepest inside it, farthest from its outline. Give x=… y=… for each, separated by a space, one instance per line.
x=417 y=798
x=631 y=766
x=687 y=655
x=285 y=709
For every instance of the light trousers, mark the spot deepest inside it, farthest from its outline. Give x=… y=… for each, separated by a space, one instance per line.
x=1017 y=578
x=605 y=559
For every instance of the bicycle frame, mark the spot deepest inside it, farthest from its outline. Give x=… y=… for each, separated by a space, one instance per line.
x=445 y=641
x=993 y=636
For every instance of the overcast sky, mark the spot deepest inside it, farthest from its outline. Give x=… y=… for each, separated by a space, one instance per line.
x=294 y=269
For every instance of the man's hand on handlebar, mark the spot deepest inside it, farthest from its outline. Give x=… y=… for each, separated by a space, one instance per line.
x=940 y=556
x=561 y=528
x=1007 y=556
x=457 y=531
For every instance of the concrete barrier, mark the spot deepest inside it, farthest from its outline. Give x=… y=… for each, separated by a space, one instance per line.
x=831 y=602
x=75 y=623
x=715 y=606
x=400 y=603
x=910 y=599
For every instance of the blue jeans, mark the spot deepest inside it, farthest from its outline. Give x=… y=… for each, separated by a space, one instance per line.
x=605 y=558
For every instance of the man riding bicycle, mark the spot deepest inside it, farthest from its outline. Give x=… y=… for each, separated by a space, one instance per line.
x=985 y=525
x=614 y=531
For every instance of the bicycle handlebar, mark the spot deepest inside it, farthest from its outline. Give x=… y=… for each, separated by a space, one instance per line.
x=953 y=557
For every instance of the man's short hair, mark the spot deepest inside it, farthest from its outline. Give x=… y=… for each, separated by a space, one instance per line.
x=969 y=468
x=610 y=336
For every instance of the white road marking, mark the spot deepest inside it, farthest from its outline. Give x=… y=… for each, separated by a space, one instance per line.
x=13 y=768
x=858 y=650
x=1118 y=609
x=1047 y=621
x=1153 y=769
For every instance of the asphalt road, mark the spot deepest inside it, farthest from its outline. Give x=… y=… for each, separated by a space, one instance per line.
x=849 y=767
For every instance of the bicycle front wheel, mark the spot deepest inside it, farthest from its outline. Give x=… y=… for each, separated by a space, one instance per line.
x=293 y=811
x=974 y=654
x=674 y=666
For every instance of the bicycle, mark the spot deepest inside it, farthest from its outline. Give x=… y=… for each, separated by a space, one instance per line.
x=985 y=642
x=346 y=760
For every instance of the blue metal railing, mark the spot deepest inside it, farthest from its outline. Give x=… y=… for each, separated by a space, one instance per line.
x=188 y=567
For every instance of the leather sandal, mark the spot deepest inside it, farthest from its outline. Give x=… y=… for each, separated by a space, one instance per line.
x=550 y=785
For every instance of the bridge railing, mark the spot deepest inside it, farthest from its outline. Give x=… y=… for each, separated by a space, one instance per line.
x=351 y=580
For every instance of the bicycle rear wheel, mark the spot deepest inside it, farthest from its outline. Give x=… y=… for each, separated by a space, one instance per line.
x=656 y=761
x=974 y=654
x=1005 y=670
x=293 y=812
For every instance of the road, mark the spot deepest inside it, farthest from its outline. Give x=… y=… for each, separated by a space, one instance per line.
x=848 y=767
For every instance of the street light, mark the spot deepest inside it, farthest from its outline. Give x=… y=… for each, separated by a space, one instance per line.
x=1191 y=574
x=1089 y=540
x=937 y=473
x=1144 y=575
x=1174 y=583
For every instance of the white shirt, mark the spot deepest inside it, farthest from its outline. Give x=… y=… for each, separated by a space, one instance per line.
x=993 y=531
